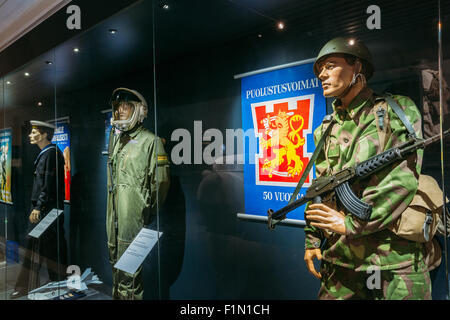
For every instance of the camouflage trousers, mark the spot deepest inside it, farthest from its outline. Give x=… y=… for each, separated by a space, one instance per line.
x=339 y=283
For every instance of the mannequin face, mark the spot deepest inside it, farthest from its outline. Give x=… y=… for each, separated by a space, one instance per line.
x=36 y=136
x=336 y=75
x=125 y=111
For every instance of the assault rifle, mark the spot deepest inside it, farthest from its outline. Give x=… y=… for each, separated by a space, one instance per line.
x=326 y=188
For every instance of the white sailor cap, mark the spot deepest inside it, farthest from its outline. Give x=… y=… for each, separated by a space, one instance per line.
x=35 y=123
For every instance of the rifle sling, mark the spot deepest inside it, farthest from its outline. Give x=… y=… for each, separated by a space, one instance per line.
x=399 y=112
x=311 y=161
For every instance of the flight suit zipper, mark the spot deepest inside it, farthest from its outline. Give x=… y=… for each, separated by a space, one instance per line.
x=116 y=223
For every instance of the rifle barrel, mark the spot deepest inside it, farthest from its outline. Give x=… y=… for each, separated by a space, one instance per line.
x=424 y=143
x=277 y=215
x=435 y=138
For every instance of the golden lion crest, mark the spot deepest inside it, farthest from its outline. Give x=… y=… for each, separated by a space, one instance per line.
x=283 y=135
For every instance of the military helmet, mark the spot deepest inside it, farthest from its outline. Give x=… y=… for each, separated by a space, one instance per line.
x=139 y=103
x=346 y=46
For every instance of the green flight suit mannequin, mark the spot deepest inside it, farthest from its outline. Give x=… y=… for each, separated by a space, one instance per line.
x=139 y=170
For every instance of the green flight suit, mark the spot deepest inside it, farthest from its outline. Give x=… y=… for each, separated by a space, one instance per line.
x=366 y=245
x=140 y=170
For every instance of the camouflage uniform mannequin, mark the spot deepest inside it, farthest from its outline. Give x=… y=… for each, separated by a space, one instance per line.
x=138 y=179
x=352 y=246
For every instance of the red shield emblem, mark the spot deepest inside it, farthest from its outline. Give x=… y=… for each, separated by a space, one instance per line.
x=281 y=127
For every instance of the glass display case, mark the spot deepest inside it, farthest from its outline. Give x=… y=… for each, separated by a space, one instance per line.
x=177 y=125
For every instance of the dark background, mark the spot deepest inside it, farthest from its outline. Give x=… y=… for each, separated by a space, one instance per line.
x=183 y=61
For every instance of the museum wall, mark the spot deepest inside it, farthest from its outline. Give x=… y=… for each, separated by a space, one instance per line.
x=205 y=252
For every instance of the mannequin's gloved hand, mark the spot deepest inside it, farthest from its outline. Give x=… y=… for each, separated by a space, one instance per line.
x=310 y=254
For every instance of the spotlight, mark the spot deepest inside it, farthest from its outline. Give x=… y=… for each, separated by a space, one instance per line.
x=280 y=25
x=39 y=104
x=164 y=5
x=260 y=35
x=26 y=74
x=76 y=50
x=351 y=42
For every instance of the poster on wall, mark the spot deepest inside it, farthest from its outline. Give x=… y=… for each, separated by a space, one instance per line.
x=62 y=139
x=108 y=116
x=281 y=108
x=5 y=165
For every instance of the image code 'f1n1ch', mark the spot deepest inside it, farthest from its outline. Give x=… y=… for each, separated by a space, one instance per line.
x=339 y=184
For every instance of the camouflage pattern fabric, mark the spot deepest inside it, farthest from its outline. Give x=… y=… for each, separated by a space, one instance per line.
x=410 y=283
x=353 y=139
x=140 y=169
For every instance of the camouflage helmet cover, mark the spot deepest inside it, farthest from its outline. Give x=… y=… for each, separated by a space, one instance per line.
x=346 y=46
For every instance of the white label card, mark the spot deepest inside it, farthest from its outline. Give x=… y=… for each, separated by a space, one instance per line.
x=138 y=250
x=45 y=223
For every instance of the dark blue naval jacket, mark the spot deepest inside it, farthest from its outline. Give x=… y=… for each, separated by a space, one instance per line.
x=48 y=184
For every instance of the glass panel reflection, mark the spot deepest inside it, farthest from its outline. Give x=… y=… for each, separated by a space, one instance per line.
x=4 y=150
x=245 y=65
x=178 y=124
x=107 y=96
x=34 y=258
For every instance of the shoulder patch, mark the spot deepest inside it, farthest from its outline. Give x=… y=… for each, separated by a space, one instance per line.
x=162 y=159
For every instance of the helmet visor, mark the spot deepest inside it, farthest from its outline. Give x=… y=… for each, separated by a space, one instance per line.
x=122 y=96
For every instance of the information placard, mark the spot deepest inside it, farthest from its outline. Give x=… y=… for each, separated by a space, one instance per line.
x=138 y=250
x=45 y=223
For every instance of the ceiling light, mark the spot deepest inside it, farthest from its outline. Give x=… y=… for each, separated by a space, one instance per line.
x=259 y=35
x=8 y=82
x=76 y=50
x=39 y=104
x=164 y=5
x=280 y=25
x=26 y=74
x=112 y=31
x=49 y=62
x=351 y=42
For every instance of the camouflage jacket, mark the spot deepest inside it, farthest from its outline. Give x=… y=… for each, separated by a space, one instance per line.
x=354 y=138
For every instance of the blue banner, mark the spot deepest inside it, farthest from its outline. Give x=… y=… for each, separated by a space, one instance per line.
x=280 y=111
x=5 y=165
x=108 y=126
x=62 y=139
